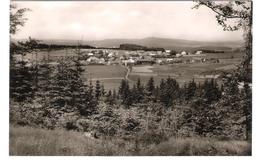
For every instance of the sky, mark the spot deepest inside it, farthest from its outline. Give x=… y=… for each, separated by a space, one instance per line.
x=128 y=20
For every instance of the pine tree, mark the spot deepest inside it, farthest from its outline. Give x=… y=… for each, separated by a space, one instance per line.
x=150 y=87
x=163 y=92
x=60 y=92
x=191 y=90
x=103 y=91
x=169 y=91
x=140 y=91
x=210 y=91
x=98 y=90
x=110 y=98
x=125 y=93
x=21 y=80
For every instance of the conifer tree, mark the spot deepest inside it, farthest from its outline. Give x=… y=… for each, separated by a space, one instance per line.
x=140 y=91
x=125 y=93
x=191 y=90
x=98 y=90
x=150 y=87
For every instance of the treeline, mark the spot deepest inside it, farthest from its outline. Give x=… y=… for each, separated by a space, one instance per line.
x=59 y=46
x=169 y=92
x=39 y=45
x=135 y=47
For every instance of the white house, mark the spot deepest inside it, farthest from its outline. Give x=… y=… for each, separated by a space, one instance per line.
x=92 y=59
x=178 y=55
x=110 y=54
x=90 y=54
x=129 y=61
x=167 y=51
x=183 y=53
x=198 y=52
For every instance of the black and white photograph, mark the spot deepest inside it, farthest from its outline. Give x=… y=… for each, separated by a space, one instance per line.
x=130 y=78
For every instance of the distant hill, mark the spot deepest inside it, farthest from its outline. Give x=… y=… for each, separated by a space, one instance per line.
x=138 y=47
x=174 y=44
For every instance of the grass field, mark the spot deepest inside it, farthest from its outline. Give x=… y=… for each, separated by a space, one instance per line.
x=111 y=75
x=31 y=141
x=181 y=72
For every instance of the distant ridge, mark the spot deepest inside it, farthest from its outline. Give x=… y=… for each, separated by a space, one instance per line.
x=166 y=43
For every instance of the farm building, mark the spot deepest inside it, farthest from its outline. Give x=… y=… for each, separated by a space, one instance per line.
x=159 y=61
x=179 y=55
x=90 y=54
x=198 y=52
x=167 y=51
x=110 y=55
x=183 y=53
x=128 y=62
x=92 y=59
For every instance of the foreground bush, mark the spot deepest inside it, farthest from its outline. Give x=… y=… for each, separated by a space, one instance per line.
x=32 y=141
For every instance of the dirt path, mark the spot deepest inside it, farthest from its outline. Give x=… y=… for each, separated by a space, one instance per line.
x=127 y=74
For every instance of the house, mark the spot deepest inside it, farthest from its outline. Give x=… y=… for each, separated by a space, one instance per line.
x=198 y=53
x=110 y=55
x=128 y=62
x=90 y=54
x=167 y=51
x=101 y=61
x=178 y=55
x=152 y=54
x=159 y=61
x=183 y=53
x=92 y=59
x=169 y=60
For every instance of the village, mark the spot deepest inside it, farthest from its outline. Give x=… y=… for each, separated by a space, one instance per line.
x=142 y=57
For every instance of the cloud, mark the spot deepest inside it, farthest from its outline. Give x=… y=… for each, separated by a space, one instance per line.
x=101 y=20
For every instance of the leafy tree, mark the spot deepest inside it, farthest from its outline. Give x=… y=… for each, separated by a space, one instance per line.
x=232 y=16
x=17 y=18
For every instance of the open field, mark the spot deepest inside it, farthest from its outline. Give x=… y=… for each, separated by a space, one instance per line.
x=31 y=141
x=181 y=72
x=111 y=75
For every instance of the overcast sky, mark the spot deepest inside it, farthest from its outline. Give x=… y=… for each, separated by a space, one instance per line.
x=102 y=20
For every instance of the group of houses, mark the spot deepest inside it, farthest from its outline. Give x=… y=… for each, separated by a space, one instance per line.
x=139 y=57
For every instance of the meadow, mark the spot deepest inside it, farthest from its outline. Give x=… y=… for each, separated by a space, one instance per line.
x=26 y=141
x=111 y=75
